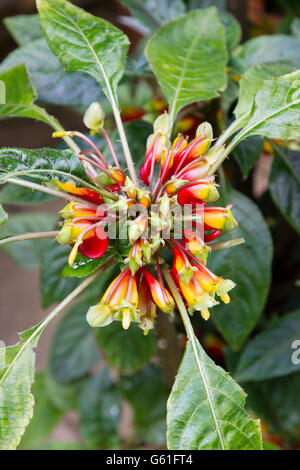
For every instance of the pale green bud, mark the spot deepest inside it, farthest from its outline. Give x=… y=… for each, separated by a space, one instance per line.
x=94 y=116
x=99 y=315
x=205 y=128
x=162 y=124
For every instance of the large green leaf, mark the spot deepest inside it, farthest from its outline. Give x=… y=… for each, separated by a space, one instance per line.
x=53 y=84
x=20 y=96
x=16 y=377
x=74 y=350
x=24 y=28
x=206 y=408
x=154 y=13
x=43 y=164
x=100 y=409
x=253 y=79
x=285 y=184
x=247 y=153
x=188 y=57
x=27 y=253
x=55 y=287
x=147 y=393
x=275 y=111
x=84 y=43
x=127 y=350
x=269 y=354
x=249 y=266
x=277 y=402
x=45 y=416
x=274 y=48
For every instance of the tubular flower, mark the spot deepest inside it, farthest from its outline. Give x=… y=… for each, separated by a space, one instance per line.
x=194 y=243
x=160 y=296
x=205 y=190
x=119 y=302
x=146 y=217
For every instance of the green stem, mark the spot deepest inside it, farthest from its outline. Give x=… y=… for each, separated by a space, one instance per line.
x=179 y=302
x=44 y=189
x=230 y=130
x=29 y=236
x=83 y=183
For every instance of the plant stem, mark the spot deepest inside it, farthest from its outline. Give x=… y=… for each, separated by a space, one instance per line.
x=230 y=130
x=29 y=236
x=179 y=302
x=44 y=189
x=227 y=244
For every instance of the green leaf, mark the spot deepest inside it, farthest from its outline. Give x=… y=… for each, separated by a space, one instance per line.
x=24 y=28
x=43 y=164
x=74 y=350
x=206 y=408
x=27 y=253
x=3 y=215
x=84 y=43
x=53 y=84
x=263 y=49
x=154 y=13
x=284 y=184
x=188 y=57
x=275 y=112
x=45 y=416
x=136 y=349
x=269 y=354
x=249 y=266
x=21 y=196
x=233 y=31
x=147 y=394
x=100 y=409
x=54 y=287
x=20 y=95
x=253 y=79
x=16 y=377
x=84 y=266
x=247 y=153
x=276 y=401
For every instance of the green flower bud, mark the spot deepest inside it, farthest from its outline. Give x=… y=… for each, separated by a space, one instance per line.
x=104 y=179
x=65 y=235
x=99 y=315
x=205 y=128
x=162 y=124
x=94 y=117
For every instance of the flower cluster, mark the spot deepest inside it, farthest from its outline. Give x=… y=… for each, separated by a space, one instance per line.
x=173 y=175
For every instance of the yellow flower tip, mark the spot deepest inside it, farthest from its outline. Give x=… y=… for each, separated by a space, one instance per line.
x=225 y=298
x=146 y=332
x=205 y=314
x=73 y=254
x=126 y=319
x=58 y=134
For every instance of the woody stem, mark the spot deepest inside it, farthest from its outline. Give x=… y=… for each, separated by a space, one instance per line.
x=29 y=236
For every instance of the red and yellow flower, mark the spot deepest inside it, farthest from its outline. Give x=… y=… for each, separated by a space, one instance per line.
x=174 y=174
